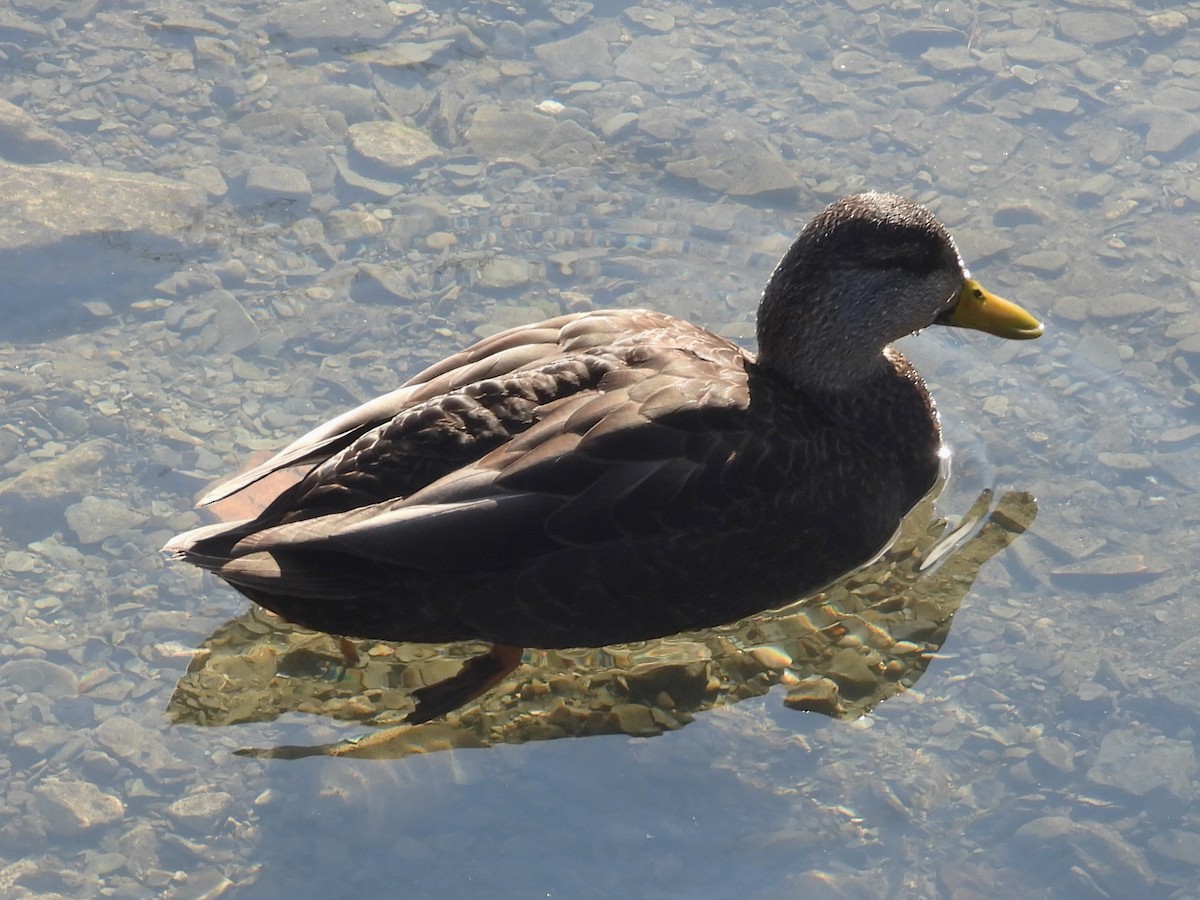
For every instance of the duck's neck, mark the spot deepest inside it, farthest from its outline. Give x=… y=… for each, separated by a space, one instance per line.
x=836 y=364
x=828 y=341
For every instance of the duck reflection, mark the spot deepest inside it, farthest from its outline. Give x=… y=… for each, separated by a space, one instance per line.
x=865 y=638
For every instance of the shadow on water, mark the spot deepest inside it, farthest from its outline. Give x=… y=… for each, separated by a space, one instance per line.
x=867 y=637
x=76 y=285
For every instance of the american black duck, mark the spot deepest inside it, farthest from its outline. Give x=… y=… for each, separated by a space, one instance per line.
x=620 y=475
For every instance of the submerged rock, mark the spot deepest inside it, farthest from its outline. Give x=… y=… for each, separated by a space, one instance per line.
x=731 y=164
x=34 y=500
x=48 y=204
x=70 y=235
x=270 y=182
x=1096 y=27
x=391 y=145
x=23 y=140
x=69 y=807
x=499 y=132
x=203 y=811
x=314 y=22
x=1138 y=764
x=93 y=519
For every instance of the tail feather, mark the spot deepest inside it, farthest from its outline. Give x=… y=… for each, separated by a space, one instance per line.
x=188 y=545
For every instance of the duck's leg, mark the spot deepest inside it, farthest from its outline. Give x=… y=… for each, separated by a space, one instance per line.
x=349 y=651
x=478 y=674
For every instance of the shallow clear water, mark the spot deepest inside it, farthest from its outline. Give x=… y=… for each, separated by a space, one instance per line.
x=273 y=261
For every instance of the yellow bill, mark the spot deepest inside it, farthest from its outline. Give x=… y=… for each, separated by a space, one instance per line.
x=982 y=310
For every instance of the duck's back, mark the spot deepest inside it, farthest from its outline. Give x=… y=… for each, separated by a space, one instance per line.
x=598 y=478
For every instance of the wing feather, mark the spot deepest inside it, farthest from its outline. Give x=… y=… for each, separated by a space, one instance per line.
x=499 y=355
x=583 y=430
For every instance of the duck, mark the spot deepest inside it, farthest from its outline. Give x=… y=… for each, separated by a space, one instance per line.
x=619 y=475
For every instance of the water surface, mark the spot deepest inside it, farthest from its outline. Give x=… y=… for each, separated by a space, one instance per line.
x=206 y=252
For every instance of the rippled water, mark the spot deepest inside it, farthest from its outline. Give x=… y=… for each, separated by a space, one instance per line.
x=270 y=263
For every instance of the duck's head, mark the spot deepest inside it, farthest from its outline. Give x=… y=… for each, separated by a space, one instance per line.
x=868 y=270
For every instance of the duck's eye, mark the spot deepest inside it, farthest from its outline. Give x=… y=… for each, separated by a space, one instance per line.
x=910 y=258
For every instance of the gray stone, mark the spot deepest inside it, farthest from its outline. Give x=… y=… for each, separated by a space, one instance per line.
x=69 y=420
x=569 y=144
x=663 y=63
x=1108 y=565
x=614 y=125
x=855 y=62
x=815 y=693
x=501 y=272
x=1096 y=27
x=209 y=178
x=1176 y=846
x=655 y=20
x=23 y=140
x=45 y=204
x=1009 y=213
x=1043 y=831
x=391 y=144
x=376 y=283
x=139 y=845
x=634 y=719
x=1106 y=857
x=39 y=676
x=1043 y=51
x=14 y=26
x=581 y=56
x=1051 y=101
x=1044 y=262
x=509 y=41
x=70 y=807
x=1117 y=865
x=234 y=329
x=836 y=125
x=48 y=486
x=139 y=746
x=1168 y=23
x=346 y=225
x=498 y=132
x=1176 y=96
x=1138 y=763
x=203 y=811
x=380 y=186
x=1183 y=325
x=1124 y=462
x=93 y=519
x=1170 y=129
x=1106 y=151
x=402 y=54
x=316 y=22
x=728 y=162
x=1096 y=188
x=271 y=182
x=19 y=562
x=1182 y=434
x=915 y=39
x=1115 y=306
x=949 y=60
x=1055 y=754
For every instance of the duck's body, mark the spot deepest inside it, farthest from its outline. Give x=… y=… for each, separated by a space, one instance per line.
x=621 y=475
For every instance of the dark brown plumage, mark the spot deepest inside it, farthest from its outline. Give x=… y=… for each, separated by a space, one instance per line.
x=622 y=475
